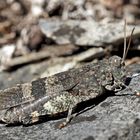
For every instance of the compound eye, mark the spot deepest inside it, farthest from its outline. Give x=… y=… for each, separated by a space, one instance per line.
x=116 y=61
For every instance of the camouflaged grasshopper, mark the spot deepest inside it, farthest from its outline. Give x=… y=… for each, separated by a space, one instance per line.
x=62 y=92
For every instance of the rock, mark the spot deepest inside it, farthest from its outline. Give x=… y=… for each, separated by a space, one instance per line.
x=113 y=117
x=86 y=33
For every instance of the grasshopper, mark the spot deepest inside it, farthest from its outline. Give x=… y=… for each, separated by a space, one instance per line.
x=62 y=92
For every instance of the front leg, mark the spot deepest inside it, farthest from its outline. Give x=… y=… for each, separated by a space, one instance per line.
x=117 y=86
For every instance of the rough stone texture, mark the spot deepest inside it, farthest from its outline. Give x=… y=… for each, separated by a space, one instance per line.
x=86 y=33
x=113 y=118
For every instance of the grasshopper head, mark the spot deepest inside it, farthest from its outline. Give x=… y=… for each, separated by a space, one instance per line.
x=117 y=70
x=118 y=74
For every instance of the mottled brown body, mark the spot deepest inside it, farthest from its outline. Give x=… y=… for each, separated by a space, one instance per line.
x=61 y=92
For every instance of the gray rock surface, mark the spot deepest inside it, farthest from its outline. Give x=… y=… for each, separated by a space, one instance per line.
x=86 y=33
x=112 y=118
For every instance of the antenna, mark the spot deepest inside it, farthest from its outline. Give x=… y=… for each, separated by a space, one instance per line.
x=130 y=39
x=125 y=51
